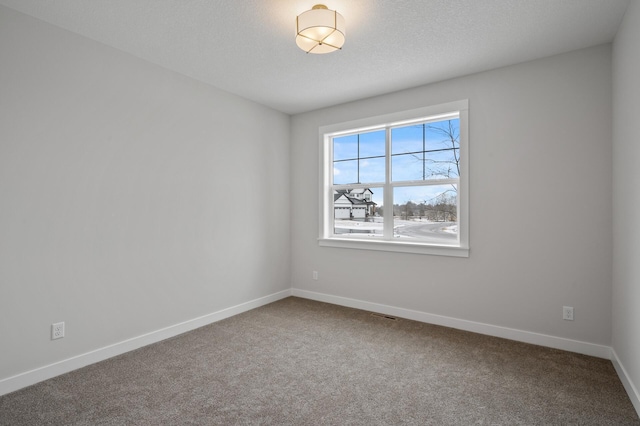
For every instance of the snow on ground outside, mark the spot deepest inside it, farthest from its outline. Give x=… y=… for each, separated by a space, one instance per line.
x=375 y=228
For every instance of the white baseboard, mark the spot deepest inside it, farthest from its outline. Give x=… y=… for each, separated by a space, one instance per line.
x=31 y=377
x=584 y=348
x=632 y=391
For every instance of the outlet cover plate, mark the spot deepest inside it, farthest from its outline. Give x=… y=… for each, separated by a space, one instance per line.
x=57 y=330
x=567 y=313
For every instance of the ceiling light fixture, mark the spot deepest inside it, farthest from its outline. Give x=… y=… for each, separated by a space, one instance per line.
x=320 y=30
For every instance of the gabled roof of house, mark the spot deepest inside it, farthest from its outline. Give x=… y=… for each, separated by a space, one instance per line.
x=360 y=191
x=339 y=193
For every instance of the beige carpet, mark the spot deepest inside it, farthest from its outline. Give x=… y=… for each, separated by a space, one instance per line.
x=299 y=362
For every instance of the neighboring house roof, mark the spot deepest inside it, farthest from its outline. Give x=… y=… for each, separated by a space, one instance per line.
x=340 y=193
x=360 y=191
x=358 y=201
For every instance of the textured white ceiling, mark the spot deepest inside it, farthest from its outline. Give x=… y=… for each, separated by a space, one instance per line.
x=247 y=47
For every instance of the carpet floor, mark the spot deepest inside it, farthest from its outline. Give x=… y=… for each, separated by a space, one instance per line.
x=301 y=362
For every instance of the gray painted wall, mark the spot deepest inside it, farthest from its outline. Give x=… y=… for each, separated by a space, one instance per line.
x=626 y=195
x=540 y=197
x=133 y=198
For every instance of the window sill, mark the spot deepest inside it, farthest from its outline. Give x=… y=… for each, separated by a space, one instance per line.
x=396 y=246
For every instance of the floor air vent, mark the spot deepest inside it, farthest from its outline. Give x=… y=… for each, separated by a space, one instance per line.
x=389 y=317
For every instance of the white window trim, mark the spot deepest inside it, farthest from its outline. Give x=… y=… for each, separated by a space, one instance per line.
x=461 y=247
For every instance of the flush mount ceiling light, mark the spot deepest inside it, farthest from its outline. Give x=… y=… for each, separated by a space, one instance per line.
x=320 y=30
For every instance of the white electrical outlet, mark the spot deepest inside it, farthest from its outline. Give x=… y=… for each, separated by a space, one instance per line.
x=567 y=313
x=315 y=275
x=57 y=330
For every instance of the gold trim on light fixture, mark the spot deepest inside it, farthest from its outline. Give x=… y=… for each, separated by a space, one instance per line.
x=320 y=30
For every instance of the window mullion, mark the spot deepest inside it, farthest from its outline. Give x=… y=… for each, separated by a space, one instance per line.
x=424 y=149
x=358 y=180
x=388 y=190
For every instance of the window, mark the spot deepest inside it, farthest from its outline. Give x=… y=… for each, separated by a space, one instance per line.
x=398 y=182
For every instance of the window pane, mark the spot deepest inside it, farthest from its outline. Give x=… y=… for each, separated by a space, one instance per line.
x=372 y=144
x=359 y=158
x=407 y=167
x=345 y=147
x=442 y=164
x=427 y=213
x=426 y=151
x=372 y=170
x=358 y=212
x=407 y=139
x=443 y=134
x=443 y=144
x=345 y=172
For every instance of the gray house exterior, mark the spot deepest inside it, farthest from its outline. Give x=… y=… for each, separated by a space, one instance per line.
x=353 y=203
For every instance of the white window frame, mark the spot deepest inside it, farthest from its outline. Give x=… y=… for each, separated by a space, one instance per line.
x=458 y=249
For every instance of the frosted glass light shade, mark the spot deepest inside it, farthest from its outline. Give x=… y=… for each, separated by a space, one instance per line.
x=320 y=30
